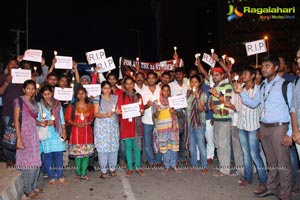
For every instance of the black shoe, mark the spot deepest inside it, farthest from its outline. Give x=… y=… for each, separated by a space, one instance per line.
x=264 y=194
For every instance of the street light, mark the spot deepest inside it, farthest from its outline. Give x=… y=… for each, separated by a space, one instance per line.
x=266 y=38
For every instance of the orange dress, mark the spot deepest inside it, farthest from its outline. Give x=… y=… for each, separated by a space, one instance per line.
x=81 y=142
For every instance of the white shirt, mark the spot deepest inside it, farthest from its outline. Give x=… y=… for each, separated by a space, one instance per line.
x=139 y=90
x=148 y=95
x=176 y=89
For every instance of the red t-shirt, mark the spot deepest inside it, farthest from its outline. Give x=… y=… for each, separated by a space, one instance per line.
x=128 y=127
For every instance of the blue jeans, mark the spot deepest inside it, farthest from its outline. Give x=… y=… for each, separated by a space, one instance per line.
x=197 y=139
x=170 y=159
x=251 y=151
x=57 y=158
x=148 y=142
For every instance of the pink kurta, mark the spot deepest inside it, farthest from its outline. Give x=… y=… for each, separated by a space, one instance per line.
x=30 y=156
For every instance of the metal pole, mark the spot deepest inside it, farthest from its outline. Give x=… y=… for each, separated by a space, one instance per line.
x=17 y=39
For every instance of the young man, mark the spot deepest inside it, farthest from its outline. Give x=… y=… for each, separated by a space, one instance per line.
x=222 y=120
x=150 y=94
x=248 y=125
x=275 y=128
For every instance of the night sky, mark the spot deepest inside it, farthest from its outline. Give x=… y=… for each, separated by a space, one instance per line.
x=81 y=26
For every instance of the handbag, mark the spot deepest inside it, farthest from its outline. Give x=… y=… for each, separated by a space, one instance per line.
x=10 y=136
x=43 y=131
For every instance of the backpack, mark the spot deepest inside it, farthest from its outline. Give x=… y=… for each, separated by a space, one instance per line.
x=284 y=89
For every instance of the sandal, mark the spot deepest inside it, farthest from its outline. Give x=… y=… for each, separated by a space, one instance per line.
x=165 y=172
x=33 y=195
x=104 y=176
x=63 y=181
x=175 y=169
x=77 y=179
x=203 y=171
x=52 y=182
x=86 y=177
x=39 y=190
x=113 y=173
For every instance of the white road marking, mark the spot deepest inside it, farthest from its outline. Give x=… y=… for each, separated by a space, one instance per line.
x=127 y=187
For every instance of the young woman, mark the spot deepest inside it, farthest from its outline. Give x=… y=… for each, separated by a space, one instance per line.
x=28 y=158
x=166 y=138
x=51 y=114
x=106 y=130
x=131 y=130
x=196 y=122
x=81 y=146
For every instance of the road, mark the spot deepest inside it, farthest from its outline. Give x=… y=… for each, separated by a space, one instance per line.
x=152 y=186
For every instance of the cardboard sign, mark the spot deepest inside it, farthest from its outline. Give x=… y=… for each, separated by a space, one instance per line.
x=94 y=57
x=177 y=102
x=63 y=62
x=20 y=75
x=130 y=110
x=65 y=94
x=33 y=55
x=93 y=89
x=106 y=65
x=208 y=60
x=255 y=47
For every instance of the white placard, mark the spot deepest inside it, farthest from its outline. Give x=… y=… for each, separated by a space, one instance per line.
x=33 y=55
x=255 y=47
x=96 y=56
x=208 y=60
x=106 y=65
x=63 y=62
x=93 y=89
x=130 y=110
x=65 y=94
x=20 y=75
x=177 y=102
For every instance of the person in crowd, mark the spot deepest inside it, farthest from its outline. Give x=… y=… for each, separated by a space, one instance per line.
x=50 y=110
x=275 y=129
x=165 y=78
x=40 y=79
x=179 y=87
x=9 y=91
x=28 y=158
x=113 y=79
x=131 y=130
x=150 y=94
x=139 y=85
x=248 y=126
x=258 y=77
x=106 y=130
x=222 y=120
x=195 y=123
x=282 y=69
x=166 y=136
x=81 y=146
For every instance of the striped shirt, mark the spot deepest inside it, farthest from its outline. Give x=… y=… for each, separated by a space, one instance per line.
x=248 y=117
x=222 y=88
